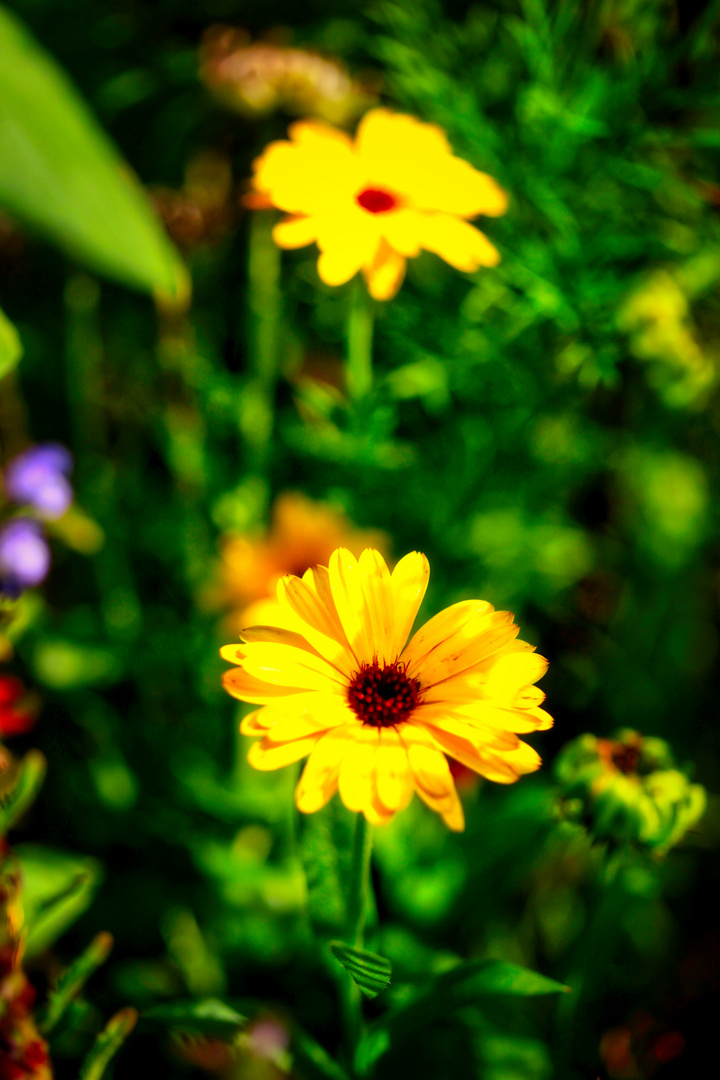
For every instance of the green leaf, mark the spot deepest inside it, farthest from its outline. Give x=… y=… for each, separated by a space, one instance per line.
x=209 y=1017
x=10 y=345
x=60 y=174
x=370 y=971
x=57 y=888
x=108 y=1043
x=29 y=778
x=73 y=979
x=463 y=985
x=312 y=1060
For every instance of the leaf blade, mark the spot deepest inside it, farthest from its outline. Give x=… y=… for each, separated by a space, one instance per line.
x=61 y=174
x=368 y=970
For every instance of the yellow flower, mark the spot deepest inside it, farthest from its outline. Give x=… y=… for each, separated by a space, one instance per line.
x=377 y=714
x=374 y=202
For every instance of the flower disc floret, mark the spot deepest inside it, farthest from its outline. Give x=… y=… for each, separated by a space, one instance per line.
x=376 y=711
x=382 y=696
x=372 y=202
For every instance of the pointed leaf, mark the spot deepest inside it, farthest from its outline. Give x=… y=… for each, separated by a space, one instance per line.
x=29 y=778
x=10 y=346
x=311 y=1060
x=73 y=979
x=325 y=844
x=57 y=888
x=466 y=984
x=60 y=174
x=370 y=971
x=108 y=1043
x=209 y=1017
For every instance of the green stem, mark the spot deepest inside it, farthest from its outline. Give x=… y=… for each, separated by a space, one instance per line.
x=359 y=343
x=358 y=896
x=359 y=881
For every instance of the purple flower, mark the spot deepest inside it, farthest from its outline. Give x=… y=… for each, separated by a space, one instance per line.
x=24 y=555
x=38 y=478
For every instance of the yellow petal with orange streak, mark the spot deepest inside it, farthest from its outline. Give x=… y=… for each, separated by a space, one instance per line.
x=476 y=640
x=245 y=687
x=305 y=714
x=320 y=627
x=376 y=585
x=284 y=665
x=385 y=274
x=266 y=755
x=295 y=232
x=441 y=627
x=349 y=600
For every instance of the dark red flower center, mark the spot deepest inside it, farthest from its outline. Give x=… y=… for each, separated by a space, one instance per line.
x=382 y=696
x=376 y=201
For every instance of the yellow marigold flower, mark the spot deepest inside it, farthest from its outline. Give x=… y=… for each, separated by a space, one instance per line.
x=375 y=201
x=377 y=714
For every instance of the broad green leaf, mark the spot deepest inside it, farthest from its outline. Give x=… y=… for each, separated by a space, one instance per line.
x=108 y=1043
x=209 y=1017
x=57 y=888
x=61 y=175
x=72 y=980
x=311 y=1060
x=10 y=346
x=29 y=778
x=370 y=971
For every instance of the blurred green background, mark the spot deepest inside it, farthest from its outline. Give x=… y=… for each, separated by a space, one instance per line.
x=546 y=432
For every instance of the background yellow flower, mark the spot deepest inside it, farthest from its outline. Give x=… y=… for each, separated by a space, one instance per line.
x=377 y=714
x=375 y=201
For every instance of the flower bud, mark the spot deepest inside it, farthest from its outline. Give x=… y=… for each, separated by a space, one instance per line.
x=628 y=788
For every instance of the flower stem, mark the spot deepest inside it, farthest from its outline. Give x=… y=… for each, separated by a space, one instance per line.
x=359 y=375
x=359 y=881
x=357 y=907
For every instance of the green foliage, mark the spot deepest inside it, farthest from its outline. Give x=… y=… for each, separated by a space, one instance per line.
x=26 y=785
x=205 y=1017
x=107 y=1044
x=57 y=888
x=61 y=175
x=10 y=346
x=72 y=980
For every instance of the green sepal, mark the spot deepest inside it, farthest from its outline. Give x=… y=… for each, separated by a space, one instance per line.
x=28 y=781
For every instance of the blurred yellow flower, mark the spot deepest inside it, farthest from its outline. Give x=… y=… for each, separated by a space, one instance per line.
x=302 y=533
x=376 y=714
x=375 y=201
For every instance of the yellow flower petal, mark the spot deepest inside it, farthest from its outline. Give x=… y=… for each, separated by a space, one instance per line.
x=319 y=780
x=472 y=643
x=393 y=775
x=266 y=755
x=402 y=230
x=458 y=242
x=320 y=626
x=277 y=635
x=510 y=674
x=357 y=768
x=239 y=684
x=385 y=274
x=376 y=585
x=252 y=724
x=310 y=176
x=453 y=186
x=295 y=232
x=440 y=718
x=349 y=599
x=302 y=715
x=441 y=628
x=409 y=582
x=284 y=665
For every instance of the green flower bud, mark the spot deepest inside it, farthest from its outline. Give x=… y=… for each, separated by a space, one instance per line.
x=628 y=789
